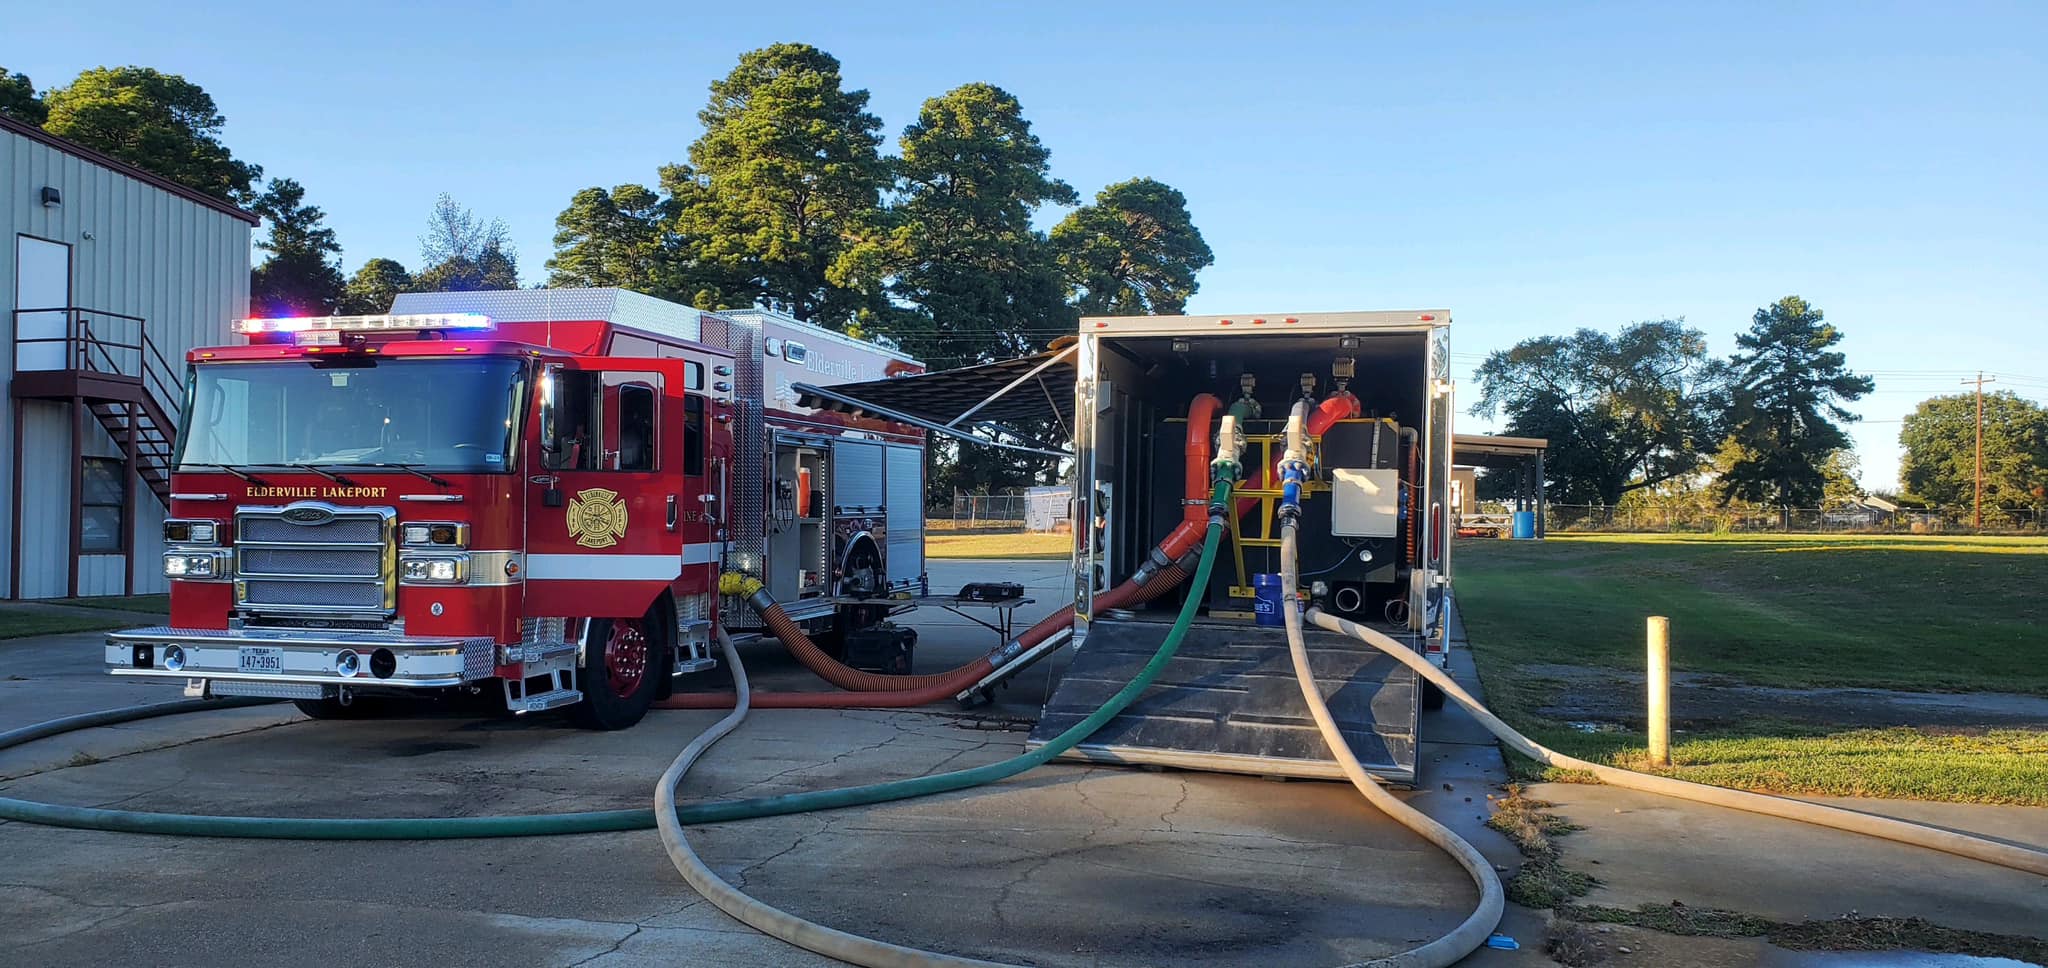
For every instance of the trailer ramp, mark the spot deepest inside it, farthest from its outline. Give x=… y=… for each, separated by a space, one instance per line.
x=1228 y=701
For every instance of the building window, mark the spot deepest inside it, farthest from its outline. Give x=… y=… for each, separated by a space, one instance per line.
x=103 y=506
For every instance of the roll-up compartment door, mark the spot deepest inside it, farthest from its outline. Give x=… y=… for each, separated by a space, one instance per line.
x=905 y=545
x=857 y=476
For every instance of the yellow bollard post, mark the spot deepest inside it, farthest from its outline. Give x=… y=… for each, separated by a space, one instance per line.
x=1660 y=690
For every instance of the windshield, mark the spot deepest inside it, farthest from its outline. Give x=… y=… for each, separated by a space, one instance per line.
x=439 y=414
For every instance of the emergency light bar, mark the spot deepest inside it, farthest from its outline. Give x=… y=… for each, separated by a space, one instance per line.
x=361 y=324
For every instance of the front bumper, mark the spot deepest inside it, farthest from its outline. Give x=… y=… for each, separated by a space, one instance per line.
x=304 y=656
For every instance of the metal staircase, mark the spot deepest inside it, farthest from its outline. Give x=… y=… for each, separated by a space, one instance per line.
x=106 y=364
x=151 y=445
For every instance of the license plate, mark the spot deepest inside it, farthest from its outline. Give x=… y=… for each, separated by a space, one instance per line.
x=261 y=658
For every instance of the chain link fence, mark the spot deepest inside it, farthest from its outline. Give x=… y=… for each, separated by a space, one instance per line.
x=1574 y=517
x=1042 y=509
x=978 y=512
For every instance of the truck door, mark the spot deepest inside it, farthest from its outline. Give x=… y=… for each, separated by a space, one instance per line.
x=609 y=489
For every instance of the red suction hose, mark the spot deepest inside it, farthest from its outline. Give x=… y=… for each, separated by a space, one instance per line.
x=867 y=690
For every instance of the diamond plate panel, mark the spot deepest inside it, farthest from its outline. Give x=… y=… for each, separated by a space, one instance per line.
x=479 y=658
x=622 y=306
x=267 y=690
x=749 y=513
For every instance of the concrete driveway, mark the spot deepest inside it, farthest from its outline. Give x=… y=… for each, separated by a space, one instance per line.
x=1068 y=865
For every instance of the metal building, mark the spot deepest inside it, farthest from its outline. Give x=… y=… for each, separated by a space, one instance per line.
x=114 y=273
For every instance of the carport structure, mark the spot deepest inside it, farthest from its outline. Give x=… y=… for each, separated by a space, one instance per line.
x=1520 y=456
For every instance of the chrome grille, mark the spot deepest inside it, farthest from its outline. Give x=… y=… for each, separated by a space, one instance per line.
x=365 y=529
x=346 y=562
x=362 y=596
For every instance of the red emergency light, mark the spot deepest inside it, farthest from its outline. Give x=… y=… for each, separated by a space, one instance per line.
x=326 y=329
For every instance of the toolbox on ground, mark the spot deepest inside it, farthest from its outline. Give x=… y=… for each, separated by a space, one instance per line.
x=991 y=591
x=884 y=649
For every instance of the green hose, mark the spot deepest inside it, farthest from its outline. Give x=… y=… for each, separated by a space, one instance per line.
x=976 y=776
x=831 y=942
x=282 y=828
x=551 y=824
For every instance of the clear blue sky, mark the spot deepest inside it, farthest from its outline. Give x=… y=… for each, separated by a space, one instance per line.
x=1533 y=171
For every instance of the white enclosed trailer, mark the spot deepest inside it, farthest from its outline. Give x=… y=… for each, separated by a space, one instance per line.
x=1375 y=525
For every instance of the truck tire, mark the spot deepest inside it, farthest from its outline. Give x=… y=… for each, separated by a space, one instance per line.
x=620 y=670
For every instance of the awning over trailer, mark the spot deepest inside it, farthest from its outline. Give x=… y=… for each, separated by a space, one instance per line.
x=1491 y=450
x=973 y=403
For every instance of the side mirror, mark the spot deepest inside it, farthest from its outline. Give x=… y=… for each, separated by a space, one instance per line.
x=550 y=436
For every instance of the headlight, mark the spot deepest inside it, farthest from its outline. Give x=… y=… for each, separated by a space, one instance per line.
x=189 y=531
x=180 y=564
x=446 y=534
x=438 y=571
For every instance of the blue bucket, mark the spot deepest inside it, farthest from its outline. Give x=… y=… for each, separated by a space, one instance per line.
x=1525 y=524
x=1267 y=597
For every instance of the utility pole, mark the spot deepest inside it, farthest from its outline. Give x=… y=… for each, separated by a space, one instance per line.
x=1977 y=516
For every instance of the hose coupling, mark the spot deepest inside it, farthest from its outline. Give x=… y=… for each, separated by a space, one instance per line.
x=1154 y=563
x=1005 y=652
x=737 y=583
x=1293 y=473
x=759 y=600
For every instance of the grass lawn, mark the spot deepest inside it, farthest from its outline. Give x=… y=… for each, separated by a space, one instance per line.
x=23 y=619
x=1897 y=612
x=125 y=603
x=1021 y=545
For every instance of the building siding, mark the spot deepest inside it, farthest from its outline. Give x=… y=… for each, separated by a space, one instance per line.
x=136 y=249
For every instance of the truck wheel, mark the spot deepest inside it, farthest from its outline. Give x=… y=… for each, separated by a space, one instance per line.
x=1432 y=697
x=621 y=668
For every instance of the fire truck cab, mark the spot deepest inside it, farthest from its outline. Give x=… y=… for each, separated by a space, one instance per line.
x=517 y=498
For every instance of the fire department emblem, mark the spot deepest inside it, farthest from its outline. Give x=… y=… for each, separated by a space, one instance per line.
x=597 y=518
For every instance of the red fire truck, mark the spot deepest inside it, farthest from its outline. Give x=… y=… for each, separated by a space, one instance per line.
x=523 y=497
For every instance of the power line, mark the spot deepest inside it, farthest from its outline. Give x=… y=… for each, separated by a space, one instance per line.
x=1978 y=517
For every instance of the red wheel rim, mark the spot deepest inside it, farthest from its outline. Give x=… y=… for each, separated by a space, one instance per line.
x=625 y=658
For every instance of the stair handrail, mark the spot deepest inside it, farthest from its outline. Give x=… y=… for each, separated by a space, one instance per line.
x=152 y=368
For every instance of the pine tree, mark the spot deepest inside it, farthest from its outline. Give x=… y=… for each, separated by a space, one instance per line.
x=1789 y=388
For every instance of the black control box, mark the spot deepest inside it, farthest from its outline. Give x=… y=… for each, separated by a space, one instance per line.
x=884 y=649
x=991 y=591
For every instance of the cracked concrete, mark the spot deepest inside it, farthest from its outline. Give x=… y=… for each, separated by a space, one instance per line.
x=1066 y=865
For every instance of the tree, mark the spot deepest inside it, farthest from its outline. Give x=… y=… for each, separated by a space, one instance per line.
x=973 y=279
x=158 y=122
x=1134 y=251
x=1621 y=412
x=455 y=232
x=374 y=287
x=616 y=238
x=786 y=175
x=463 y=253
x=493 y=268
x=301 y=277
x=1940 y=463
x=1787 y=384
x=18 y=99
x=1839 y=485
x=983 y=284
